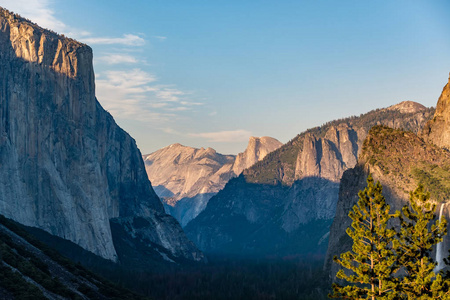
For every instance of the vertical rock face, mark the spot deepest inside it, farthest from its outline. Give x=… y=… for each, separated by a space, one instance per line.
x=437 y=131
x=327 y=157
x=299 y=184
x=66 y=166
x=256 y=150
x=400 y=161
x=186 y=178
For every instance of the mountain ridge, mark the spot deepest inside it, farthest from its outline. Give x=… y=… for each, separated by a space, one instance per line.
x=400 y=160
x=298 y=184
x=186 y=177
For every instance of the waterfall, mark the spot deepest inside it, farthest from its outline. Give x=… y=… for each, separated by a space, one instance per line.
x=439 y=248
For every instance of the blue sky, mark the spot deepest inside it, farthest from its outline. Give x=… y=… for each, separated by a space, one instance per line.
x=214 y=73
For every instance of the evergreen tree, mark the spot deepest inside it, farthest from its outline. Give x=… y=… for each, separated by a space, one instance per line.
x=372 y=261
x=416 y=238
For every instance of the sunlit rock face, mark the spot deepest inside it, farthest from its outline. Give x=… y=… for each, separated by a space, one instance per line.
x=437 y=131
x=66 y=166
x=186 y=178
x=400 y=161
x=284 y=204
x=256 y=150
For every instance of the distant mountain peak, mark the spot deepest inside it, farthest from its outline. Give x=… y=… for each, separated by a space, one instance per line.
x=257 y=149
x=406 y=107
x=187 y=177
x=175 y=145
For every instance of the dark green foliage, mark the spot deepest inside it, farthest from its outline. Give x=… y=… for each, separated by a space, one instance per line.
x=18 y=286
x=234 y=278
x=221 y=278
x=386 y=263
x=18 y=257
x=435 y=178
x=415 y=242
x=29 y=265
x=372 y=261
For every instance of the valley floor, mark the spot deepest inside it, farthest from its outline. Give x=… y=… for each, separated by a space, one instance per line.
x=227 y=278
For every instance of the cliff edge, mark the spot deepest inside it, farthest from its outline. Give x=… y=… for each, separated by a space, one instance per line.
x=66 y=167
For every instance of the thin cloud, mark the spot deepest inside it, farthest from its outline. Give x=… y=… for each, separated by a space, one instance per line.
x=239 y=135
x=38 y=11
x=114 y=59
x=41 y=13
x=191 y=103
x=179 y=108
x=132 y=94
x=126 y=40
x=170 y=130
x=135 y=95
x=169 y=94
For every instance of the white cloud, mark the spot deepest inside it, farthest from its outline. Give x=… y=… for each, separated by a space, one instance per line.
x=191 y=103
x=126 y=39
x=239 y=135
x=114 y=59
x=178 y=108
x=38 y=11
x=161 y=38
x=168 y=94
x=41 y=13
x=170 y=130
x=135 y=95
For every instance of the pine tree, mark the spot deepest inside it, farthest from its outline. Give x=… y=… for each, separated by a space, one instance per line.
x=371 y=263
x=416 y=238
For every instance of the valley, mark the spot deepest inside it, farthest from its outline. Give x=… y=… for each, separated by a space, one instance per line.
x=84 y=214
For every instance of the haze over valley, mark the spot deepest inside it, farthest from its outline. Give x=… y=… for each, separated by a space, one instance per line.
x=223 y=150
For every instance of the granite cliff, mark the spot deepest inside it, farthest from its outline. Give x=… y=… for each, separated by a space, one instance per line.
x=400 y=161
x=437 y=131
x=66 y=167
x=186 y=178
x=285 y=204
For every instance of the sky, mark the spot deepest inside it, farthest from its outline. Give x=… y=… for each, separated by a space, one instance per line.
x=213 y=73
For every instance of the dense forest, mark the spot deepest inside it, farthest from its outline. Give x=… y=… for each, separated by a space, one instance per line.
x=220 y=278
x=226 y=278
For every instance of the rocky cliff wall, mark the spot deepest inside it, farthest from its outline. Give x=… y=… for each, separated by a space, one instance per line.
x=66 y=166
x=437 y=131
x=256 y=150
x=400 y=161
x=299 y=184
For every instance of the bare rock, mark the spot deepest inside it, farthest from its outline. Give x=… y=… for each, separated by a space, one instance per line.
x=66 y=167
x=437 y=130
x=186 y=178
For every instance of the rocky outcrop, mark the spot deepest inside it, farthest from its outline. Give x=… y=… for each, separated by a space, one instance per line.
x=186 y=178
x=437 y=131
x=66 y=167
x=299 y=184
x=400 y=161
x=256 y=150
x=407 y=107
